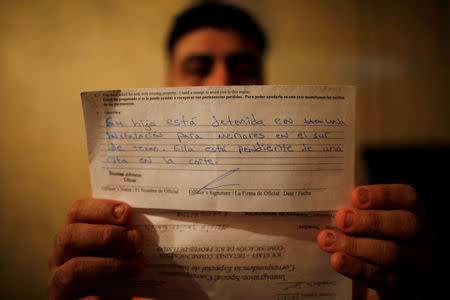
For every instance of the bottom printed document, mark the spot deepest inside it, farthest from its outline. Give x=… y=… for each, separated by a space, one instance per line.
x=220 y=255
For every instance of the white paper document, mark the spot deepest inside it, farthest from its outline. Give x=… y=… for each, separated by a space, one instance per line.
x=220 y=255
x=230 y=148
x=230 y=185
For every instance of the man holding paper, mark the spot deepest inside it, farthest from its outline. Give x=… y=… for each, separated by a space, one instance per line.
x=383 y=240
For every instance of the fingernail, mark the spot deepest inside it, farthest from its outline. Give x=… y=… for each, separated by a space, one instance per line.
x=349 y=218
x=341 y=262
x=330 y=239
x=131 y=235
x=118 y=211
x=363 y=195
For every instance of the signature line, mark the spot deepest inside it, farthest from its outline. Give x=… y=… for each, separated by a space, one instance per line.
x=208 y=186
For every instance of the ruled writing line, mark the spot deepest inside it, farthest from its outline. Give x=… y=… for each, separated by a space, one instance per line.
x=215 y=170
x=229 y=131
x=228 y=157
x=228 y=151
x=224 y=144
x=221 y=164
x=221 y=139
x=235 y=126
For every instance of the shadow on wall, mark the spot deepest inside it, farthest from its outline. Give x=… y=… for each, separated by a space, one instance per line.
x=425 y=167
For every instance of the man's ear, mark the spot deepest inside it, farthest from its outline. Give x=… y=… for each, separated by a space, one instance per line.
x=168 y=82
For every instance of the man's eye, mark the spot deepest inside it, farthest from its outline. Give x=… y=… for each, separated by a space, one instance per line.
x=197 y=65
x=243 y=68
x=243 y=65
x=197 y=69
x=246 y=69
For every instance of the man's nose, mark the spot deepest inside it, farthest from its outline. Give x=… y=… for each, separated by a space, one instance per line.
x=220 y=75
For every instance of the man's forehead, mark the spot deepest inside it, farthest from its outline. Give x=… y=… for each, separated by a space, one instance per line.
x=214 y=41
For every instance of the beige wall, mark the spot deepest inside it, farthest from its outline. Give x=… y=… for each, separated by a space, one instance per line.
x=50 y=51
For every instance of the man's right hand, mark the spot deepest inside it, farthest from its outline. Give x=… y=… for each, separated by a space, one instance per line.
x=96 y=245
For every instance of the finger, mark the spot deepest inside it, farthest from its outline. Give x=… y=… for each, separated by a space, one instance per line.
x=81 y=239
x=81 y=276
x=113 y=298
x=373 y=276
x=99 y=211
x=51 y=261
x=374 y=251
x=385 y=196
x=387 y=224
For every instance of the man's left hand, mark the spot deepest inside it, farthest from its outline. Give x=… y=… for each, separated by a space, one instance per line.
x=383 y=242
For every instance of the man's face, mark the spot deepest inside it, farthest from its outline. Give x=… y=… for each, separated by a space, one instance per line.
x=210 y=56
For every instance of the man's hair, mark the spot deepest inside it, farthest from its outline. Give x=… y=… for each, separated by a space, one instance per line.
x=216 y=15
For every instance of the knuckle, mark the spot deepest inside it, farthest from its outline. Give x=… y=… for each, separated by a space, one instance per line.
x=107 y=236
x=376 y=278
x=139 y=239
x=411 y=195
x=390 y=254
x=385 y=194
x=411 y=224
x=68 y=275
x=50 y=260
x=349 y=245
x=74 y=210
x=375 y=223
x=393 y=283
x=62 y=279
x=65 y=238
x=378 y=195
x=110 y=267
x=50 y=286
x=116 y=266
